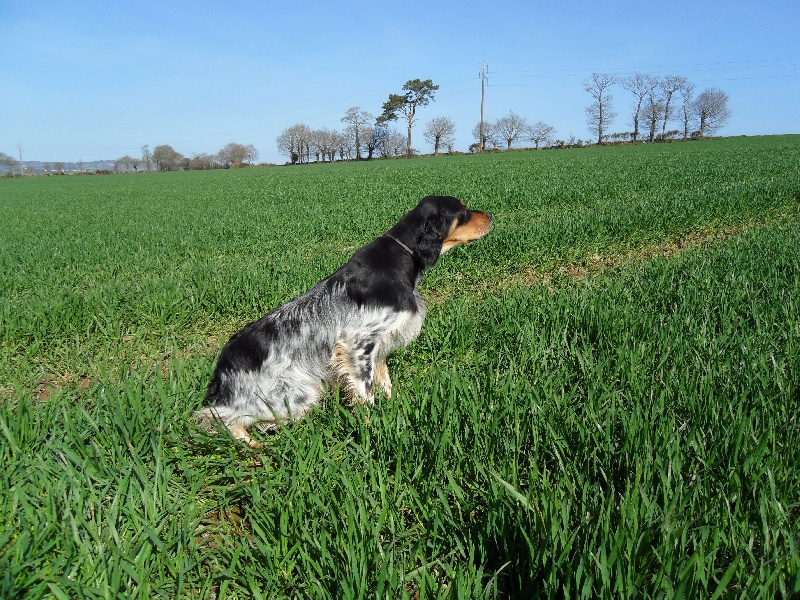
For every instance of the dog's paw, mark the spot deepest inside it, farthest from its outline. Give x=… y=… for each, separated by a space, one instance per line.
x=240 y=433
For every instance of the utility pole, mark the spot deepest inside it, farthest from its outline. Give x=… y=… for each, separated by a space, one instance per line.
x=484 y=68
x=21 y=168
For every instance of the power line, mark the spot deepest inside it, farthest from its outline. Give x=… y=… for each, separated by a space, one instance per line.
x=481 y=138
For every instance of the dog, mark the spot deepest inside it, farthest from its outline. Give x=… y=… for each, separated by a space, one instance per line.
x=339 y=333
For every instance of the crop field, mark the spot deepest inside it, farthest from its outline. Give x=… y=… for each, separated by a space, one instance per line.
x=604 y=400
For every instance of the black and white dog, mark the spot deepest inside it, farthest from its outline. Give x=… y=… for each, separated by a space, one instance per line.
x=340 y=332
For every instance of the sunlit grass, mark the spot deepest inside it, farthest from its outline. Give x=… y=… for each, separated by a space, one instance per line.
x=602 y=402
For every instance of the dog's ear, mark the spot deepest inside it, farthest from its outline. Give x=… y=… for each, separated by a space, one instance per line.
x=430 y=244
x=427 y=225
x=434 y=230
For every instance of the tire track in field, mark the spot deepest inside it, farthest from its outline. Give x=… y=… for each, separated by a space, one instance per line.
x=595 y=264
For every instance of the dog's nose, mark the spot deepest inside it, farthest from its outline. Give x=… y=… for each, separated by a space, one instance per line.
x=488 y=214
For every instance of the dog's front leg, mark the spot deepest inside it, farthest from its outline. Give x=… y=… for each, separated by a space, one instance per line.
x=353 y=363
x=382 y=378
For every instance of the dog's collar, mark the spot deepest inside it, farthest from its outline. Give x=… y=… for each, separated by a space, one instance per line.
x=402 y=245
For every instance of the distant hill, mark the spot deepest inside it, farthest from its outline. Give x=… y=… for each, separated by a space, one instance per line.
x=36 y=167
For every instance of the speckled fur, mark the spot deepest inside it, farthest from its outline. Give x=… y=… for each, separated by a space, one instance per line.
x=340 y=332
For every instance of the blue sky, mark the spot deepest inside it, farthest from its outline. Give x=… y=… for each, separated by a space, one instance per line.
x=97 y=80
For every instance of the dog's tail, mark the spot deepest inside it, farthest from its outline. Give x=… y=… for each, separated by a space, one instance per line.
x=212 y=402
x=214 y=395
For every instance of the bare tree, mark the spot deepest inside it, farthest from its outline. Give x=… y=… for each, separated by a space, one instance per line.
x=317 y=144
x=356 y=118
x=305 y=143
x=347 y=146
x=417 y=93
x=7 y=162
x=166 y=158
x=375 y=137
x=392 y=143
x=686 y=99
x=600 y=113
x=295 y=142
x=510 y=128
x=641 y=86
x=321 y=140
x=236 y=155
x=440 y=132
x=350 y=134
x=202 y=162
x=146 y=157
x=490 y=135
x=287 y=142
x=653 y=109
x=329 y=143
x=123 y=162
x=669 y=86
x=711 y=110
x=540 y=133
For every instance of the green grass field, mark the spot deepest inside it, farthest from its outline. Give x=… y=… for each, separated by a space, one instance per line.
x=603 y=401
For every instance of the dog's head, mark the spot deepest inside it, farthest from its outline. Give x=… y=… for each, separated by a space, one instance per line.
x=437 y=224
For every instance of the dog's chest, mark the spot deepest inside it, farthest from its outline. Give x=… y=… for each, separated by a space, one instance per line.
x=400 y=328
x=405 y=329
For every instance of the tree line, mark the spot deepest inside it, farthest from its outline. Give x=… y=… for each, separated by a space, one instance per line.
x=166 y=158
x=302 y=144
x=10 y=166
x=657 y=102
x=512 y=129
x=365 y=133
